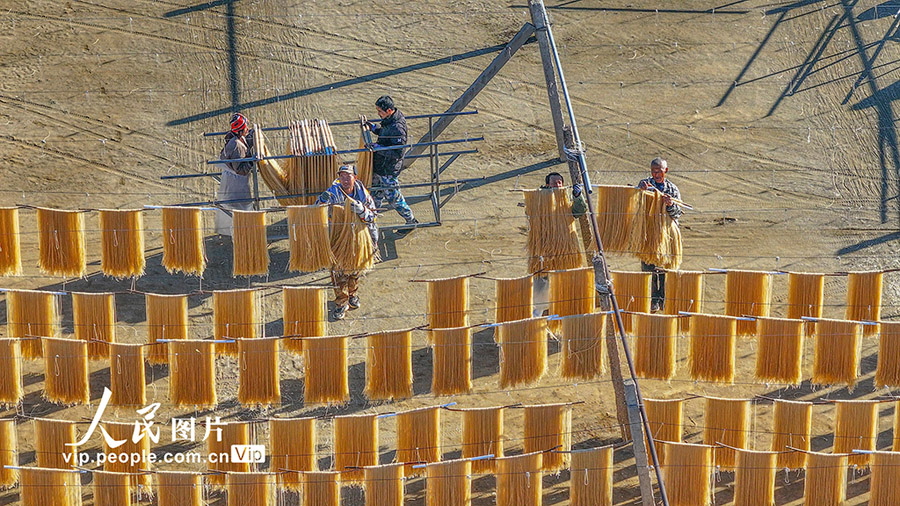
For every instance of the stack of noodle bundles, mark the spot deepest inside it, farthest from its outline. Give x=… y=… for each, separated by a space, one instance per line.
x=351 y=243
x=220 y=441
x=616 y=208
x=66 y=371
x=122 y=238
x=56 y=487
x=304 y=314
x=655 y=236
x=272 y=174
x=655 y=345
x=166 y=319
x=326 y=370
x=712 y=348
x=632 y=293
x=884 y=489
x=523 y=351
x=183 y=240
x=448 y=302
x=95 y=321
x=747 y=293
x=792 y=427
x=548 y=428
x=483 y=435
x=581 y=346
x=313 y=169
x=727 y=421
x=591 y=482
x=11 y=385
x=310 y=244
x=864 y=299
x=754 y=479
x=31 y=314
x=452 y=349
x=780 y=355
x=552 y=238
x=259 y=383
x=292 y=445
x=178 y=489
x=519 y=480
x=236 y=315
x=355 y=445
x=61 y=242
x=418 y=437
x=888 y=371
x=684 y=292
x=10 y=249
x=688 y=473
x=856 y=428
x=447 y=483
x=826 y=480
x=256 y=489
x=384 y=484
x=139 y=453
x=515 y=297
x=837 y=347
x=126 y=375
x=249 y=246
x=192 y=373
x=666 y=419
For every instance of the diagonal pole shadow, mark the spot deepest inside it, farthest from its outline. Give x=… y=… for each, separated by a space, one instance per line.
x=752 y=59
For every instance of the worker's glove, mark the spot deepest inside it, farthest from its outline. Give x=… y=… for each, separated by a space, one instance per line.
x=357 y=207
x=371 y=125
x=576 y=190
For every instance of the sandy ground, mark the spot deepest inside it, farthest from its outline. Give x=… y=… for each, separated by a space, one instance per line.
x=777 y=119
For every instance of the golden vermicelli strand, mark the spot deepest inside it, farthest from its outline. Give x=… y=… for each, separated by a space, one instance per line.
x=126 y=375
x=167 y=318
x=616 y=208
x=571 y=292
x=249 y=245
x=779 y=358
x=856 y=428
x=305 y=315
x=884 y=487
x=688 y=473
x=448 y=302
x=384 y=484
x=236 y=315
x=684 y=292
x=355 y=445
x=548 y=428
x=452 y=369
x=655 y=345
x=54 y=443
x=178 y=489
x=748 y=293
x=666 y=419
x=389 y=365
x=42 y=487
x=252 y=489
x=591 y=481
x=351 y=243
x=183 y=250
x=10 y=249
x=321 y=488
x=523 y=351
x=837 y=348
x=826 y=480
x=655 y=236
x=515 y=297
x=66 y=371
x=864 y=299
x=806 y=295
x=61 y=242
x=887 y=373
x=582 y=340
x=726 y=422
x=791 y=427
x=292 y=445
x=632 y=293
x=95 y=321
x=712 y=348
x=447 y=483
x=192 y=373
x=220 y=443
x=754 y=479
x=483 y=435
x=326 y=370
x=308 y=239
x=122 y=243
x=9 y=455
x=137 y=467
x=519 y=480
x=11 y=385
x=111 y=489
x=259 y=380
x=552 y=237
x=30 y=314
x=418 y=438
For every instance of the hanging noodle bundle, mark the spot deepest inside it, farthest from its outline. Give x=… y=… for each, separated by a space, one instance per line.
x=95 y=321
x=483 y=435
x=326 y=370
x=259 y=383
x=292 y=445
x=351 y=243
x=806 y=293
x=452 y=370
x=793 y=423
x=139 y=453
x=447 y=483
x=10 y=251
x=418 y=437
x=250 y=249
x=389 y=365
x=591 y=482
x=888 y=371
x=727 y=421
x=355 y=445
x=11 y=387
x=167 y=318
x=754 y=479
x=572 y=292
x=684 y=292
x=220 y=443
x=236 y=315
x=321 y=488
x=712 y=348
x=31 y=314
x=896 y=445
x=364 y=161
x=304 y=314
x=183 y=240
x=515 y=298
x=178 y=489
x=8 y=454
x=111 y=489
x=122 y=240
x=747 y=293
x=552 y=237
x=864 y=299
x=826 y=480
x=779 y=358
x=655 y=236
x=42 y=487
x=271 y=171
x=312 y=170
x=126 y=375
x=252 y=489
x=655 y=345
x=549 y=427
x=192 y=373
x=448 y=302
x=616 y=208
x=581 y=346
x=666 y=419
x=632 y=293
x=836 y=352
x=523 y=351
x=61 y=242
x=310 y=245
x=856 y=428
x=383 y=484
x=688 y=474
x=66 y=371
x=54 y=443
x=519 y=480
x=884 y=488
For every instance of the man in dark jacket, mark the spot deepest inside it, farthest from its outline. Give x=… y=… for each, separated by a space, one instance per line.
x=387 y=163
x=234 y=186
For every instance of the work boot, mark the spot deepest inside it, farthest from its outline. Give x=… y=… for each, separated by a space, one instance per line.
x=354 y=302
x=409 y=227
x=339 y=312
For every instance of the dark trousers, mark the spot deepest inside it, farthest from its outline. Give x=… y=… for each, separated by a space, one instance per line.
x=657 y=284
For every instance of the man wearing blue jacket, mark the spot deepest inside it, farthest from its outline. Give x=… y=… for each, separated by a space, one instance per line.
x=387 y=163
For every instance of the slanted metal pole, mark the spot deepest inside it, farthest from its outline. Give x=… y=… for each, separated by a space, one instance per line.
x=637 y=441
x=647 y=495
x=539 y=18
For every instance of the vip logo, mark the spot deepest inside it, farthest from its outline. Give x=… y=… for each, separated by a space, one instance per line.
x=248 y=454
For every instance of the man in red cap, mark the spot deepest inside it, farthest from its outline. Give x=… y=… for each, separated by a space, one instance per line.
x=234 y=186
